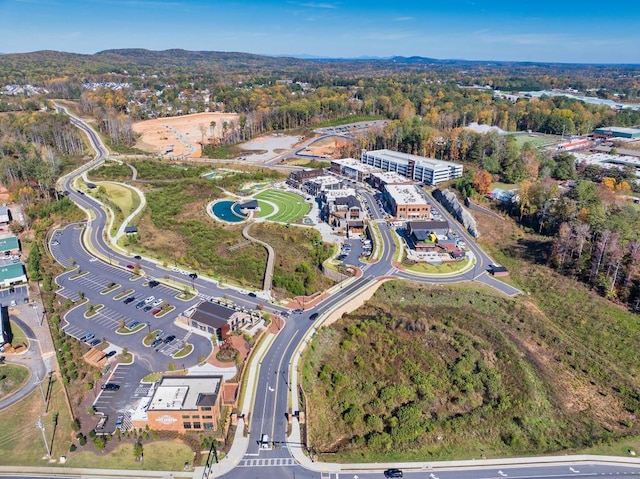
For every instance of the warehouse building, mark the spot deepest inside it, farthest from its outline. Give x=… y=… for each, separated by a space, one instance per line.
x=11 y=274
x=9 y=245
x=617 y=132
x=419 y=168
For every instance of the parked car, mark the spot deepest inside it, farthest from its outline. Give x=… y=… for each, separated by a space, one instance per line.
x=156 y=311
x=110 y=354
x=147 y=308
x=134 y=324
x=158 y=302
x=140 y=304
x=87 y=337
x=150 y=300
x=129 y=300
x=157 y=342
x=159 y=333
x=153 y=283
x=119 y=421
x=393 y=473
x=110 y=387
x=168 y=339
x=94 y=343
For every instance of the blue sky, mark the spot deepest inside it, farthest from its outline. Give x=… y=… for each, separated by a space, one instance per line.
x=565 y=31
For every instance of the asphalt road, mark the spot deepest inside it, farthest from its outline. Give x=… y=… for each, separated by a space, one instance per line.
x=268 y=413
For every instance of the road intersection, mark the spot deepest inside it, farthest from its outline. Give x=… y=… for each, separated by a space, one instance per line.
x=273 y=385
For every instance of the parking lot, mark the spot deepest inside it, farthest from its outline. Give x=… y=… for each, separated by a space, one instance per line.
x=19 y=294
x=122 y=401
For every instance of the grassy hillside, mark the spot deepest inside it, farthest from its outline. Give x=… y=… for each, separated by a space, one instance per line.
x=299 y=257
x=428 y=372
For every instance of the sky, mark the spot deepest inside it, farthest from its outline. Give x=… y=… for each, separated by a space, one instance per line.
x=542 y=31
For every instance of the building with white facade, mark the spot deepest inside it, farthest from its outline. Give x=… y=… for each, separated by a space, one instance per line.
x=418 y=168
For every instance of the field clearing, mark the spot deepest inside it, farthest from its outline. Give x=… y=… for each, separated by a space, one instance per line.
x=291 y=207
x=158 y=456
x=538 y=140
x=19 y=336
x=21 y=442
x=12 y=376
x=184 y=133
x=123 y=197
x=486 y=375
x=266 y=209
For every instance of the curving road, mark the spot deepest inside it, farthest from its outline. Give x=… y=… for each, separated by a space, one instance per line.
x=273 y=387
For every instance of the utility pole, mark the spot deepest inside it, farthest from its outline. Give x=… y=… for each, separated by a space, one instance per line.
x=44 y=436
x=40 y=385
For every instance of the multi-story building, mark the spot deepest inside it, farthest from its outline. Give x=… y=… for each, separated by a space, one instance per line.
x=353 y=169
x=419 y=168
x=406 y=202
x=183 y=404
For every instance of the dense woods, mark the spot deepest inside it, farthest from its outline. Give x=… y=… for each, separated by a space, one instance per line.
x=34 y=147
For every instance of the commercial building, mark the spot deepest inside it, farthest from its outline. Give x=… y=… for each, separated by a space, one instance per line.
x=215 y=319
x=183 y=404
x=297 y=178
x=380 y=179
x=617 y=132
x=315 y=186
x=426 y=170
x=345 y=214
x=11 y=274
x=406 y=202
x=353 y=169
x=9 y=244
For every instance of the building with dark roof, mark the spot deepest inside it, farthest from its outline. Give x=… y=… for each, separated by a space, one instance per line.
x=297 y=178
x=216 y=319
x=5 y=328
x=131 y=230
x=425 y=234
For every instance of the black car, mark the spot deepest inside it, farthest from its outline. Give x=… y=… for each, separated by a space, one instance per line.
x=147 y=308
x=110 y=353
x=313 y=317
x=393 y=473
x=153 y=283
x=137 y=257
x=129 y=300
x=193 y=276
x=95 y=342
x=168 y=339
x=140 y=304
x=157 y=342
x=110 y=387
x=253 y=295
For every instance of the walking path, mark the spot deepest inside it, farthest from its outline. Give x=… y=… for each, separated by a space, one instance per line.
x=268 y=274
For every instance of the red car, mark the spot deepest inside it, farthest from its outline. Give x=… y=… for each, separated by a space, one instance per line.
x=130 y=266
x=155 y=312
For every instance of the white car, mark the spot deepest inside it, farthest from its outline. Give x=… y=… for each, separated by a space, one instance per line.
x=158 y=302
x=150 y=299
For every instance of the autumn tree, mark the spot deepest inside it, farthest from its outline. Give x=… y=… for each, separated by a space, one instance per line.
x=482 y=181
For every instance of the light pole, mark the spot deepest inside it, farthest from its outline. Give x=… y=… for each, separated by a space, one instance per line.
x=44 y=436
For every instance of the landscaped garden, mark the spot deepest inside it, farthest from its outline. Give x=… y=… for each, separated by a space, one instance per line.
x=291 y=207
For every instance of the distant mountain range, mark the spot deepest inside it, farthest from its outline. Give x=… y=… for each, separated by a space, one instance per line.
x=138 y=60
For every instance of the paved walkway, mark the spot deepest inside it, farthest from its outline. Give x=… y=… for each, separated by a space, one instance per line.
x=271 y=258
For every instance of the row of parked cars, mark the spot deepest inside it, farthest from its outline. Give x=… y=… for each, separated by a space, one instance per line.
x=147 y=304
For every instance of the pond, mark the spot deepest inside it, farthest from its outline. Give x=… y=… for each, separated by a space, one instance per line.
x=228 y=211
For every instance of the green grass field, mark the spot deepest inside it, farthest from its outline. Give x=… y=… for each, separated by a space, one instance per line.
x=291 y=207
x=12 y=376
x=19 y=335
x=266 y=209
x=158 y=456
x=539 y=140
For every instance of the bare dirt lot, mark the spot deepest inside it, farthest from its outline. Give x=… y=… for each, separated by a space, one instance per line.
x=180 y=135
x=327 y=147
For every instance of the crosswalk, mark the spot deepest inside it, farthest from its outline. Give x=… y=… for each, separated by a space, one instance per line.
x=278 y=461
